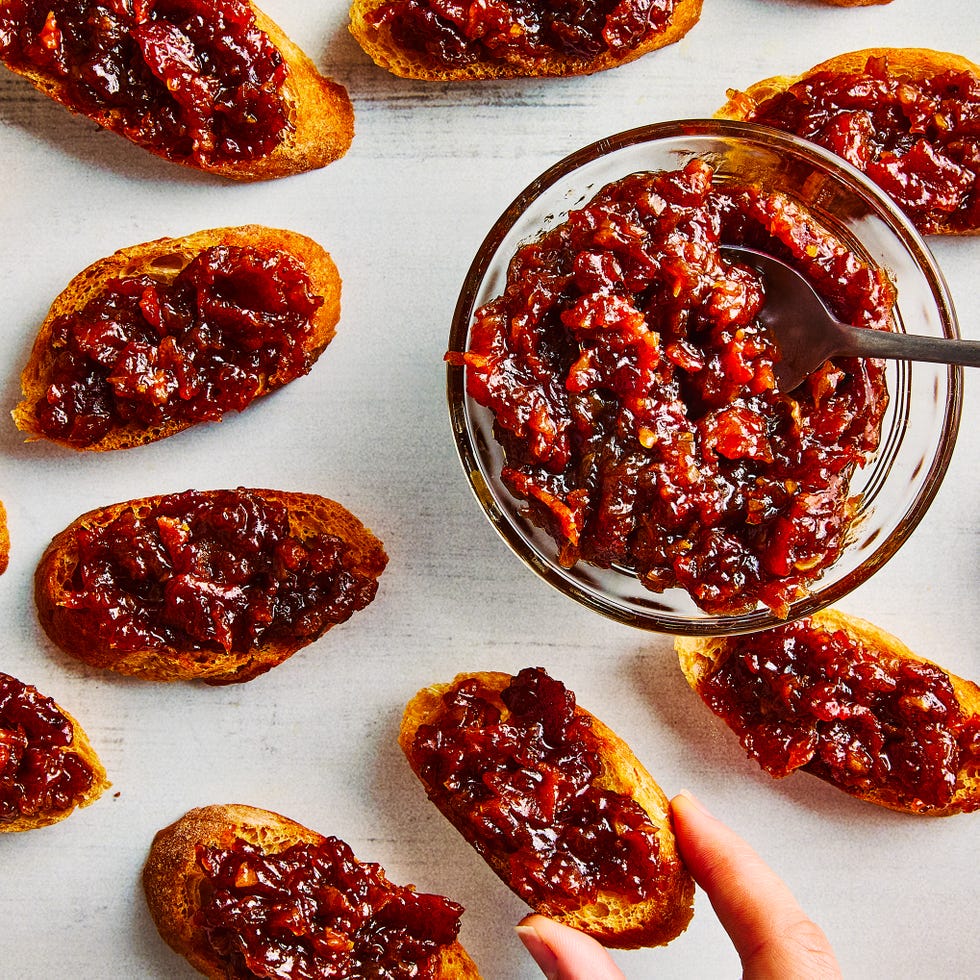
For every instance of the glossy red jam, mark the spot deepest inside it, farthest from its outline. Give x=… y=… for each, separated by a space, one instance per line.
x=454 y=34
x=234 y=323
x=39 y=774
x=314 y=911
x=917 y=138
x=803 y=697
x=631 y=386
x=520 y=785
x=189 y=80
x=213 y=571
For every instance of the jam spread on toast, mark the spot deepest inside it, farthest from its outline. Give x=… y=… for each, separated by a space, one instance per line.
x=918 y=137
x=313 y=910
x=39 y=772
x=188 y=80
x=455 y=34
x=521 y=785
x=147 y=350
x=804 y=697
x=211 y=571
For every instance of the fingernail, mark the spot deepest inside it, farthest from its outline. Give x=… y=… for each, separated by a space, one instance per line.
x=542 y=955
x=695 y=802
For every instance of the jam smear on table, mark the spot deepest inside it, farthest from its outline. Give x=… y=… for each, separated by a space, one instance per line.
x=39 y=774
x=455 y=34
x=210 y=571
x=522 y=783
x=917 y=138
x=233 y=324
x=632 y=391
x=189 y=80
x=804 y=697
x=314 y=911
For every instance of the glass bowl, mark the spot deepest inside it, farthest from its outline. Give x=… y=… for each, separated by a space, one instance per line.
x=921 y=422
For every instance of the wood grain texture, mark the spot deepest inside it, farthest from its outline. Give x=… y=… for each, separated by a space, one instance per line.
x=430 y=168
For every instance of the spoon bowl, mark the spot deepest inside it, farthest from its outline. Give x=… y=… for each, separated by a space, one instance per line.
x=806 y=333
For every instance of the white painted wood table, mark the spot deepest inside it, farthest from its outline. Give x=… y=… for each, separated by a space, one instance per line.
x=431 y=167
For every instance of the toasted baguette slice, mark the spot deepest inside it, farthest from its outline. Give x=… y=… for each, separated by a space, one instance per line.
x=915 y=64
x=163 y=260
x=384 y=48
x=82 y=633
x=173 y=881
x=319 y=112
x=87 y=783
x=612 y=918
x=702 y=657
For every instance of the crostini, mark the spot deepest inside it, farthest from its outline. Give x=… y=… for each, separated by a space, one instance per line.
x=216 y=585
x=215 y=86
x=240 y=891
x=48 y=767
x=906 y=117
x=555 y=802
x=431 y=41
x=170 y=333
x=835 y=696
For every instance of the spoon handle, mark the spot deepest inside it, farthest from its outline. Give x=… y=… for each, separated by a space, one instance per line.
x=909 y=347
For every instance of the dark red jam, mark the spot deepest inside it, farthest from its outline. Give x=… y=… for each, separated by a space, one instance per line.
x=917 y=138
x=455 y=33
x=233 y=324
x=313 y=911
x=212 y=570
x=631 y=386
x=39 y=774
x=803 y=697
x=189 y=80
x=520 y=784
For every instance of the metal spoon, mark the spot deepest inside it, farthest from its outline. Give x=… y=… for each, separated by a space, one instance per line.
x=807 y=334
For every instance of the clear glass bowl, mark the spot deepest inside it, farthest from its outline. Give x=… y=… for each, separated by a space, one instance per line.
x=920 y=426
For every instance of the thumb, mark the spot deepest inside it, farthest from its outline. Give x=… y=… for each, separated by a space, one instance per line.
x=774 y=938
x=563 y=953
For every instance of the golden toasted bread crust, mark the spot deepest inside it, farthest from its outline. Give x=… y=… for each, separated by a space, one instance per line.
x=611 y=919
x=81 y=747
x=309 y=514
x=378 y=42
x=320 y=115
x=4 y=540
x=910 y=62
x=172 y=878
x=700 y=657
x=164 y=259
x=914 y=63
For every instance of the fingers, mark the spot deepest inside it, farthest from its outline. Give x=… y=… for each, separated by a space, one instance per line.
x=565 y=954
x=774 y=938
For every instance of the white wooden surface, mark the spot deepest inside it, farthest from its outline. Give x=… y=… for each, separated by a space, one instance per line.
x=403 y=213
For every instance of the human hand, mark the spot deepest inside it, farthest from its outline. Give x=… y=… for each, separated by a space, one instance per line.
x=772 y=935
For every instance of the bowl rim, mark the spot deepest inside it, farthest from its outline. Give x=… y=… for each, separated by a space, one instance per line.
x=821 y=594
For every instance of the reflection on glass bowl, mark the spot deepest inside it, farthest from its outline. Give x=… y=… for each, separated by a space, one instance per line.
x=919 y=427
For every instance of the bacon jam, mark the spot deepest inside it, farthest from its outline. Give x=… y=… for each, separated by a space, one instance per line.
x=40 y=774
x=802 y=696
x=219 y=571
x=233 y=324
x=191 y=81
x=520 y=783
x=453 y=35
x=314 y=910
x=917 y=137
x=631 y=388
